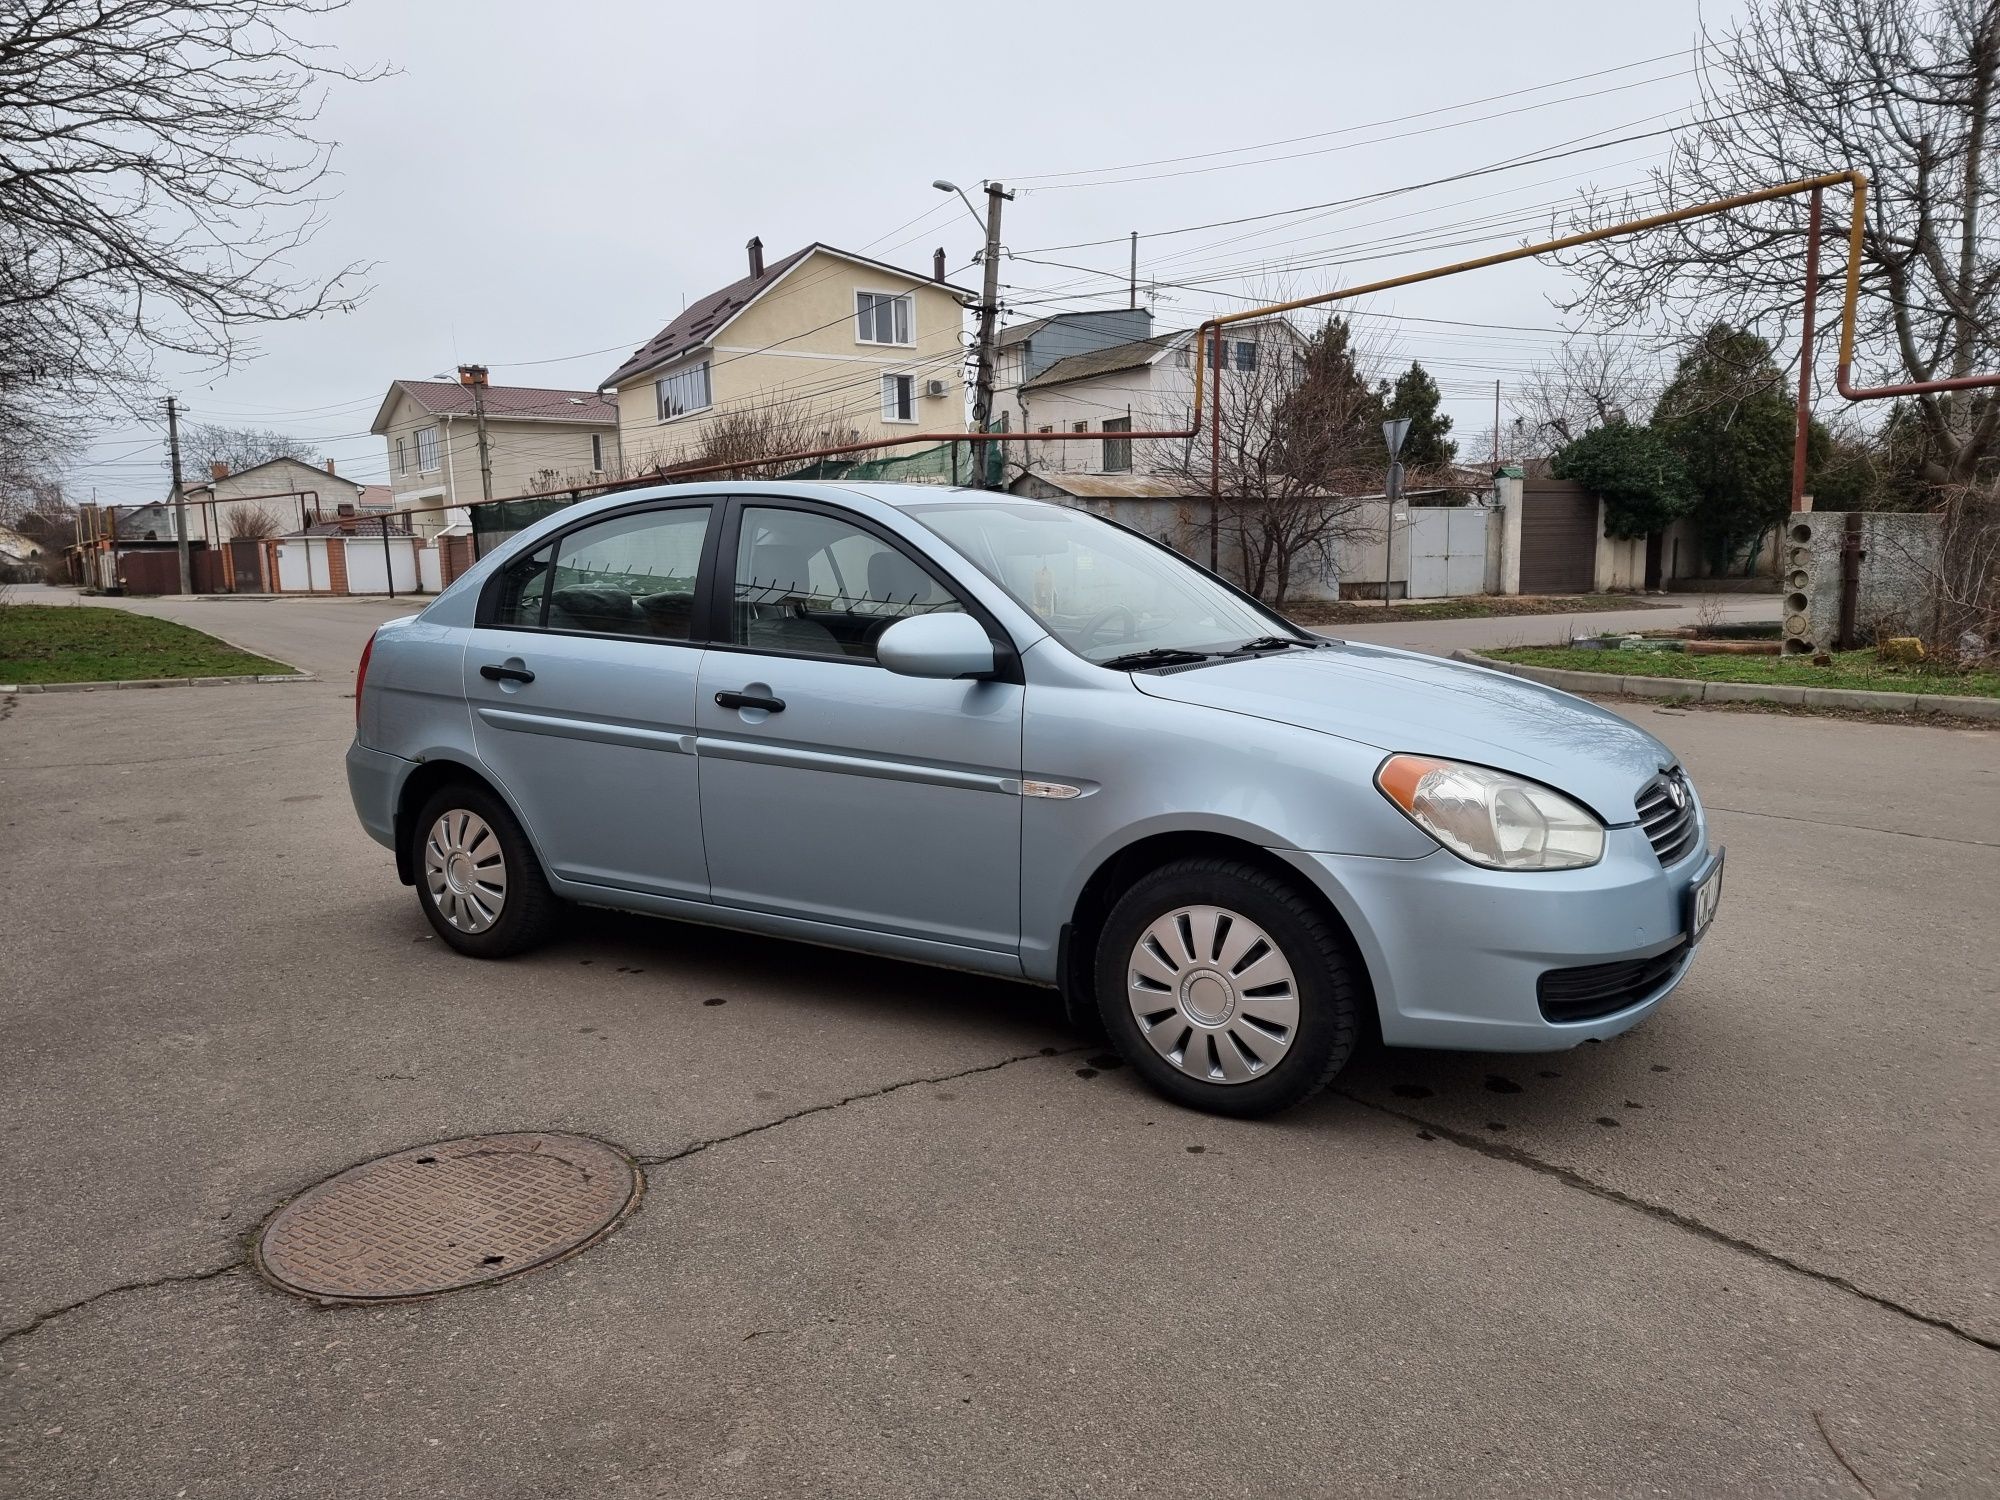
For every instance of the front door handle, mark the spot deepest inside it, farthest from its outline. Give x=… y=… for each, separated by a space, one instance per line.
x=506 y=674
x=750 y=700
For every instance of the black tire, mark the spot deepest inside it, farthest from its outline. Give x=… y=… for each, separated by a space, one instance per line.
x=529 y=912
x=1324 y=976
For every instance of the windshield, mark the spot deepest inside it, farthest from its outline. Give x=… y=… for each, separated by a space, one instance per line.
x=1102 y=591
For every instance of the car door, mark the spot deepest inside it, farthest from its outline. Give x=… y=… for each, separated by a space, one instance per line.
x=831 y=788
x=581 y=675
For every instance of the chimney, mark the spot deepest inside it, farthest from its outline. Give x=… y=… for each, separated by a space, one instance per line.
x=329 y=466
x=346 y=514
x=937 y=264
x=756 y=249
x=218 y=470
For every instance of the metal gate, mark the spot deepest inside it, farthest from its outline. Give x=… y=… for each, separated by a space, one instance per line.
x=246 y=567
x=1447 y=550
x=1558 y=538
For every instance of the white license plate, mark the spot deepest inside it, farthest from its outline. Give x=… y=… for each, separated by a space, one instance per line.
x=1704 y=900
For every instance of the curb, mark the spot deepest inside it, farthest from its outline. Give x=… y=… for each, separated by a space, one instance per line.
x=152 y=682
x=1693 y=690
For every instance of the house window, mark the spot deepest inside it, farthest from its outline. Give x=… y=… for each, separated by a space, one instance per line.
x=402 y=455
x=1046 y=427
x=427 y=449
x=1079 y=427
x=1181 y=359
x=1117 y=451
x=881 y=318
x=684 y=391
x=597 y=453
x=899 y=398
x=1246 y=355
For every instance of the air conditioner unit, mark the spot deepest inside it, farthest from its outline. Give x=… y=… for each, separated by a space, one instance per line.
x=935 y=387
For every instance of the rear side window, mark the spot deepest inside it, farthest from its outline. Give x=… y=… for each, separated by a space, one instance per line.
x=523 y=585
x=632 y=575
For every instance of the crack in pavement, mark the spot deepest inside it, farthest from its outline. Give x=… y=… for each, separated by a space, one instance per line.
x=1901 y=833
x=820 y=1109
x=183 y=1279
x=1569 y=1177
x=190 y=1277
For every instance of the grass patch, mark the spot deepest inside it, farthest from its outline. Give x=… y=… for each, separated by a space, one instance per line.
x=83 y=643
x=1471 y=607
x=1853 y=670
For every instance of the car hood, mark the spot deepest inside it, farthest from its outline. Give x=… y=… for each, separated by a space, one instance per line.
x=1400 y=700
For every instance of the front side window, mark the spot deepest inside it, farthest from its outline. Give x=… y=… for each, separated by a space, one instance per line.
x=882 y=318
x=1117 y=451
x=402 y=455
x=427 y=449
x=899 y=398
x=1246 y=355
x=684 y=391
x=1097 y=588
x=597 y=453
x=812 y=585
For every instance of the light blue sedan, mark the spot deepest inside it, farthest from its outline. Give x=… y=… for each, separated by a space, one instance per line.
x=998 y=735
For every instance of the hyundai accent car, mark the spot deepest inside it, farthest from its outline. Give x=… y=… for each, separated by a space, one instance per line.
x=1004 y=736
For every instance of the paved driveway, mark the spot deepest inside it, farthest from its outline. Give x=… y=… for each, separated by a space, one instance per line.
x=905 y=1234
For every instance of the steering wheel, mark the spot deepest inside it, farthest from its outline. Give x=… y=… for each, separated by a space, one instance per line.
x=1088 y=635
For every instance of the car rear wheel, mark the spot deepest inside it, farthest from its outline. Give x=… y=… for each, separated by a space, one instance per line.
x=478 y=880
x=1226 y=988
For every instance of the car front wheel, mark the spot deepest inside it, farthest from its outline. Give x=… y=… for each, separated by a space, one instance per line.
x=1226 y=989
x=478 y=880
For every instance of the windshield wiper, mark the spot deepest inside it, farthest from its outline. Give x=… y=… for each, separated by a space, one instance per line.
x=1267 y=643
x=1155 y=656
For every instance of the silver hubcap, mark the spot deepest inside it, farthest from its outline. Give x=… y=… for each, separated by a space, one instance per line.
x=1213 y=994
x=465 y=871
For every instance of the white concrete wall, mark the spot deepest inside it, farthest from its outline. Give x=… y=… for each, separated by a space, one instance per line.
x=369 y=573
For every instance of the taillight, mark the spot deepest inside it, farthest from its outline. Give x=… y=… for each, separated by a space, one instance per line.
x=361 y=680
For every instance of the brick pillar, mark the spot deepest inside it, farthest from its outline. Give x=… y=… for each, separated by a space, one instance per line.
x=454 y=557
x=336 y=564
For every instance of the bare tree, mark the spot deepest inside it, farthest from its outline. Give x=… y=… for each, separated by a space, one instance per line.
x=248 y=520
x=1591 y=380
x=158 y=176
x=1301 y=447
x=203 y=444
x=1902 y=89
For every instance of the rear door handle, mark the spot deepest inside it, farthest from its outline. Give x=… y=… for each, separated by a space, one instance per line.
x=506 y=674
x=750 y=700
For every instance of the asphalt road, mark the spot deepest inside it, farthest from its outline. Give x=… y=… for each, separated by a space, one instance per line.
x=896 y=1242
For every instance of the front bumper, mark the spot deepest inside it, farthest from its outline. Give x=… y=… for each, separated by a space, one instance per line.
x=1455 y=952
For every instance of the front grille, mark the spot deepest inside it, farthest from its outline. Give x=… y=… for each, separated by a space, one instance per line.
x=1600 y=989
x=1670 y=824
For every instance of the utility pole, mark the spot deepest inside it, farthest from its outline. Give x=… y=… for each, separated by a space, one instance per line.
x=473 y=378
x=1132 y=280
x=180 y=501
x=1496 y=424
x=986 y=355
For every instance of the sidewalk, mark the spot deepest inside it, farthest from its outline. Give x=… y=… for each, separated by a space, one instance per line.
x=1442 y=637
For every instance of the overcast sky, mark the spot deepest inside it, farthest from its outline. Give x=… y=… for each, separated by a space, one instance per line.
x=541 y=187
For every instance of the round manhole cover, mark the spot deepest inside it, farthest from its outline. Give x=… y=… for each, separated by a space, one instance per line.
x=457 y=1214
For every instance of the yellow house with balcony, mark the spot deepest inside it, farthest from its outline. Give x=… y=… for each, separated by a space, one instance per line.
x=819 y=348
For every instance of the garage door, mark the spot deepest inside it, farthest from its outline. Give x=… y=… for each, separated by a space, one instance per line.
x=1558 y=539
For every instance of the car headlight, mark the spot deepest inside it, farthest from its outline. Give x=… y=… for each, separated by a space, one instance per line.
x=1491 y=818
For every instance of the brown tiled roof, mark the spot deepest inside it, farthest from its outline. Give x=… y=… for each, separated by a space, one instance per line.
x=520 y=403
x=363 y=525
x=1106 y=361
x=705 y=318
x=692 y=328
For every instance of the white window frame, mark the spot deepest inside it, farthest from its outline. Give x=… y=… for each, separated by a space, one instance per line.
x=894 y=384
x=427 y=437
x=906 y=300
x=702 y=367
x=1244 y=356
x=402 y=455
x=1120 y=439
x=597 y=453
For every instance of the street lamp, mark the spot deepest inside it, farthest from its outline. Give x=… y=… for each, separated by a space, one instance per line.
x=951 y=187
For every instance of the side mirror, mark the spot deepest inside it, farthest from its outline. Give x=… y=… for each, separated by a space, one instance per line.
x=942 y=645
